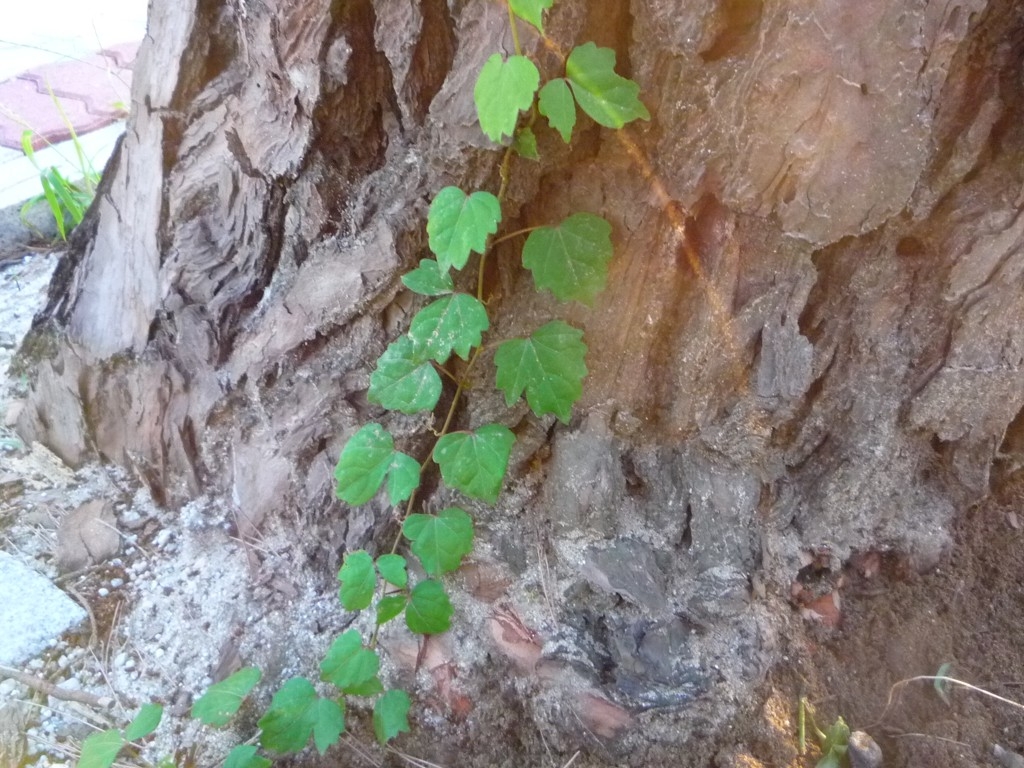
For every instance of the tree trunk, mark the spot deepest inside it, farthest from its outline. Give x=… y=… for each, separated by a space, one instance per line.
x=810 y=346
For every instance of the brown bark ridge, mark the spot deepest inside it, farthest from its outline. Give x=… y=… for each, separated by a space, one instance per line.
x=811 y=343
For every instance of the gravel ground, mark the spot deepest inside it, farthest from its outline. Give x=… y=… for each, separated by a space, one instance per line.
x=180 y=604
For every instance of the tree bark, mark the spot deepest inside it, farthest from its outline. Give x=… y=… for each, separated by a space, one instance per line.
x=810 y=347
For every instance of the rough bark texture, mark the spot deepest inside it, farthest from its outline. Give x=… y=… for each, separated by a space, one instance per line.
x=812 y=340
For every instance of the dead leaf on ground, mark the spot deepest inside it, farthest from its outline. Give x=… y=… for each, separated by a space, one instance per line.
x=602 y=717
x=825 y=610
x=514 y=639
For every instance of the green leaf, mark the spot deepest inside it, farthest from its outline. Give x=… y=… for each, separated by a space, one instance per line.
x=525 y=144
x=405 y=379
x=145 y=722
x=100 y=750
x=429 y=611
x=392 y=569
x=457 y=224
x=391 y=715
x=403 y=477
x=556 y=104
x=440 y=541
x=429 y=279
x=363 y=464
x=370 y=456
x=222 y=700
x=389 y=607
x=358 y=581
x=531 y=10
x=454 y=323
x=244 y=756
x=571 y=260
x=548 y=366
x=295 y=712
x=502 y=90
x=348 y=665
x=611 y=100
x=475 y=462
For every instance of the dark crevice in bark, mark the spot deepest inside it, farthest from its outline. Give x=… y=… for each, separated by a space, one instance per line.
x=212 y=48
x=431 y=59
x=275 y=210
x=733 y=31
x=348 y=122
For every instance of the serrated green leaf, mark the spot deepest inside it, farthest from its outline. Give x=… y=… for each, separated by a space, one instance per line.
x=389 y=607
x=392 y=569
x=555 y=102
x=458 y=224
x=429 y=611
x=145 y=722
x=296 y=711
x=452 y=324
x=610 y=99
x=549 y=366
x=429 y=279
x=403 y=477
x=391 y=715
x=531 y=10
x=222 y=700
x=405 y=379
x=363 y=464
x=348 y=665
x=244 y=756
x=525 y=144
x=571 y=260
x=475 y=462
x=358 y=581
x=440 y=541
x=370 y=456
x=503 y=89
x=100 y=750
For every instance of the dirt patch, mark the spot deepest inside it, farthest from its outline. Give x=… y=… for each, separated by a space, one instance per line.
x=968 y=612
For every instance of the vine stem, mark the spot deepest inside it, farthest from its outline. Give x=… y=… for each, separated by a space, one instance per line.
x=514 y=28
x=504 y=172
x=459 y=389
x=510 y=235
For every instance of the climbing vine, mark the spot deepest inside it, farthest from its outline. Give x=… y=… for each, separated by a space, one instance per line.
x=567 y=258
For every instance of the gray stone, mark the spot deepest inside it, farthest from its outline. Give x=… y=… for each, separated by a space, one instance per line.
x=18 y=232
x=627 y=568
x=32 y=611
x=87 y=536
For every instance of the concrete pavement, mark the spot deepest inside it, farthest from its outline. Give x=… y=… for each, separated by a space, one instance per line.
x=83 y=53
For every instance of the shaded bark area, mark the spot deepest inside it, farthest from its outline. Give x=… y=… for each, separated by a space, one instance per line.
x=810 y=345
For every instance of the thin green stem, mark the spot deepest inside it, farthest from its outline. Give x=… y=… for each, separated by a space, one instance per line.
x=459 y=389
x=515 y=29
x=506 y=162
x=510 y=235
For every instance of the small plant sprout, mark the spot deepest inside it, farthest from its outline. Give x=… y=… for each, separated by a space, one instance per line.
x=833 y=742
